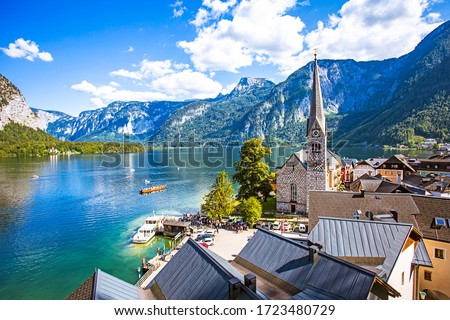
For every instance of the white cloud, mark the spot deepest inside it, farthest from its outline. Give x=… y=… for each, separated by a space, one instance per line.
x=130 y=49
x=102 y=95
x=165 y=80
x=26 y=49
x=201 y=17
x=259 y=30
x=178 y=9
x=373 y=30
x=263 y=32
x=212 y=9
x=187 y=84
x=228 y=88
x=97 y=102
x=219 y=7
x=126 y=74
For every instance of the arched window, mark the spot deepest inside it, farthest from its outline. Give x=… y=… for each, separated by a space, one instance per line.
x=316 y=147
x=293 y=192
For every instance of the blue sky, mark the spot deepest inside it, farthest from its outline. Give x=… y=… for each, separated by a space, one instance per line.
x=78 y=55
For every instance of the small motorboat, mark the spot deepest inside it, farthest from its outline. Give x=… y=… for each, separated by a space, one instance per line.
x=34 y=177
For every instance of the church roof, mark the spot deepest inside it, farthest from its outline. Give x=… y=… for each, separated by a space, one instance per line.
x=316 y=112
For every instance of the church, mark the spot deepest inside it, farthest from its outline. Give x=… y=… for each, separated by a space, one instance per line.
x=312 y=168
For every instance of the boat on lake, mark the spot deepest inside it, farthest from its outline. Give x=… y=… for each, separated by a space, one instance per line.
x=152 y=189
x=148 y=230
x=145 y=233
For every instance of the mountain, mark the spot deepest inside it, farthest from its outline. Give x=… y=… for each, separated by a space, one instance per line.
x=58 y=124
x=137 y=120
x=278 y=113
x=13 y=107
x=213 y=119
x=420 y=104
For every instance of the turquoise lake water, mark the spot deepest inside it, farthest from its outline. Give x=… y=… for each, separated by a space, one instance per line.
x=82 y=211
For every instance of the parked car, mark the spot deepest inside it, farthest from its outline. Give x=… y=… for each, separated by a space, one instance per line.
x=268 y=226
x=287 y=227
x=257 y=225
x=276 y=225
x=199 y=237
x=209 y=240
x=301 y=228
x=211 y=232
x=203 y=244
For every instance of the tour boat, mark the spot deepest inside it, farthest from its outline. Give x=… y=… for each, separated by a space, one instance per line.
x=148 y=230
x=145 y=232
x=152 y=189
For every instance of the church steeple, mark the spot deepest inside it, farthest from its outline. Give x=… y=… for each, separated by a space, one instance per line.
x=316 y=112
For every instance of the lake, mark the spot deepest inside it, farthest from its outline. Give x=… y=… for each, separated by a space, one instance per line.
x=83 y=209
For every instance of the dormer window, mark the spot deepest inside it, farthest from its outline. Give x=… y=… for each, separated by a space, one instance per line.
x=438 y=223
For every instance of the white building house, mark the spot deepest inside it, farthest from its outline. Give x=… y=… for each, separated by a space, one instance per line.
x=394 y=251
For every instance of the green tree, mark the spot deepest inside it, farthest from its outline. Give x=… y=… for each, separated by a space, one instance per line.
x=219 y=201
x=251 y=210
x=251 y=171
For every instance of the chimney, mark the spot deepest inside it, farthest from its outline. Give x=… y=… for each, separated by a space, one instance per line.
x=234 y=289
x=313 y=250
x=394 y=215
x=250 y=281
x=363 y=192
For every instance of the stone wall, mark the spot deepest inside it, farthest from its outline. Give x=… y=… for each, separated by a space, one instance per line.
x=293 y=172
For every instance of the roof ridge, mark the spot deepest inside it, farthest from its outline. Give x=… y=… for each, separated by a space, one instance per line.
x=367 y=221
x=202 y=251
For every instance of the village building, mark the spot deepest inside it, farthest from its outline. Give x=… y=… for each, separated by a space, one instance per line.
x=394 y=251
x=395 y=169
x=363 y=167
x=348 y=166
x=313 y=168
x=436 y=164
x=429 y=215
x=431 y=184
x=377 y=184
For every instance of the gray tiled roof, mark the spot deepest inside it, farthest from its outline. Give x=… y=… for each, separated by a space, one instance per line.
x=431 y=207
x=108 y=287
x=362 y=238
x=367 y=239
x=278 y=256
x=345 y=204
x=195 y=273
x=421 y=256
x=311 y=294
x=289 y=261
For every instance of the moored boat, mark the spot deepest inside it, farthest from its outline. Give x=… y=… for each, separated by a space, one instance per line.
x=145 y=233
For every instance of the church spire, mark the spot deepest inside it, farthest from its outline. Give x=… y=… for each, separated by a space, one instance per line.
x=316 y=110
